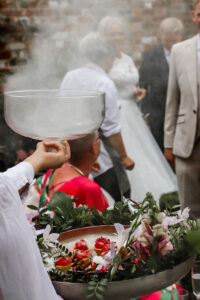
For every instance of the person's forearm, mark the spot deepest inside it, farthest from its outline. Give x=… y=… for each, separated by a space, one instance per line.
x=117 y=142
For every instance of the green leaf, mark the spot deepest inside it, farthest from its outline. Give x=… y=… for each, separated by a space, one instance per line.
x=40 y=240
x=101 y=288
x=92 y=282
x=193 y=239
x=99 y=296
x=104 y=281
x=91 y=288
x=90 y=296
x=32 y=207
x=62 y=201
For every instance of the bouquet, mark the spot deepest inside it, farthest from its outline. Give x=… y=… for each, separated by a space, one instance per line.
x=152 y=242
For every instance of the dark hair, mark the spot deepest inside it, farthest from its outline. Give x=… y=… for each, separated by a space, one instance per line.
x=80 y=147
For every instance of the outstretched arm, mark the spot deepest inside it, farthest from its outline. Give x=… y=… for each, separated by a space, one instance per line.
x=117 y=143
x=23 y=173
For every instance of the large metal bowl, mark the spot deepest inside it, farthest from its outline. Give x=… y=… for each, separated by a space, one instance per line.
x=54 y=114
x=118 y=290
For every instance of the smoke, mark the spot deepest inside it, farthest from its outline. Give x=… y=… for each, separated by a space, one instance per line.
x=54 y=50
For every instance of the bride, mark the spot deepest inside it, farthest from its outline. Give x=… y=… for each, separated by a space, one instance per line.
x=152 y=172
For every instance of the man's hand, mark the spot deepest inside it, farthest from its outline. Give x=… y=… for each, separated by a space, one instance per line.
x=41 y=159
x=128 y=163
x=170 y=156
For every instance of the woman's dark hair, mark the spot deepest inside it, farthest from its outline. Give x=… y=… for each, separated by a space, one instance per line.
x=80 y=147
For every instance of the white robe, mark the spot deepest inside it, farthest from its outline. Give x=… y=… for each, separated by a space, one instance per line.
x=22 y=274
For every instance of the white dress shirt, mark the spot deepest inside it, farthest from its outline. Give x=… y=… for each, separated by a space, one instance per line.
x=93 y=77
x=22 y=274
x=167 y=55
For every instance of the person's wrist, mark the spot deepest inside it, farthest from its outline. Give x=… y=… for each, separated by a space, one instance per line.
x=35 y=162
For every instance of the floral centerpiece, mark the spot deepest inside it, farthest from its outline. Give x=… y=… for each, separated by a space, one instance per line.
x=153 y=242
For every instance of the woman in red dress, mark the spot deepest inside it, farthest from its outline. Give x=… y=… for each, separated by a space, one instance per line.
x=72 y=178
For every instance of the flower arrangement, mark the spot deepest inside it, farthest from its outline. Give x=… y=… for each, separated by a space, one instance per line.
x=154 y=241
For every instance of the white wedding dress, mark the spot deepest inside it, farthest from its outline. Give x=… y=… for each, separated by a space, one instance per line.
x=151 y=172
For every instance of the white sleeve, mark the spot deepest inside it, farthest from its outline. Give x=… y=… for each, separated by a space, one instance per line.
x=20 y=175
x=111 y=123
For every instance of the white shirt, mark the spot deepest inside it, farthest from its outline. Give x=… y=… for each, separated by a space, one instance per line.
x=22 y=274
x=167 y=55
x=93 y=77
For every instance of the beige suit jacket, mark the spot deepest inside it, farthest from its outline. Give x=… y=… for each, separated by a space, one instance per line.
x=182 y=99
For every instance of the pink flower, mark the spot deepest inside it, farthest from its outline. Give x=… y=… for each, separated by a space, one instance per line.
x=163 y=247
x=144 y=234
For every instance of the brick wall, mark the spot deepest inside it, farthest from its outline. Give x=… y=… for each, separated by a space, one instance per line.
x=21 y=21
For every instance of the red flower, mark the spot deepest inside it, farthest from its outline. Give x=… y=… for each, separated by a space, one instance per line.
x=63 y=262
x=101 y=242
x=135 y=261
x=81 y=245
x=81 y=254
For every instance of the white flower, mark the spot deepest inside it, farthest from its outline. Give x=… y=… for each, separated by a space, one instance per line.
x=50 y=213
x=160 y=217
x=102 y=261
x=182 y=217
x=147 y=217
x=184 y=214
x=49 y=238
x=159 y=229
x=122 y=234
x=99 y=260
x=49 y=264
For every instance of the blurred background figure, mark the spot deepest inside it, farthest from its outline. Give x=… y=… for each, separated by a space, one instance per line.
x=72 y=177
x=154 y=71
x=182 y=117
x=151 y=172
x=113 y=159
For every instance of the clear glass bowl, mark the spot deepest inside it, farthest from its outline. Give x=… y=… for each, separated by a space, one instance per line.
x=54 y=114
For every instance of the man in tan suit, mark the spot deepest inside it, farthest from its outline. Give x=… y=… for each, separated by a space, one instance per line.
x=182 y=118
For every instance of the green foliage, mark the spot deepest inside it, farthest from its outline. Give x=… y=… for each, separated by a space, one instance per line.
x=193 y=239
x=66 y=217
x=97 y=287
x=169 y=201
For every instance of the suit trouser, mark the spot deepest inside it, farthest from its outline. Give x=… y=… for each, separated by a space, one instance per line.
x=188 y=176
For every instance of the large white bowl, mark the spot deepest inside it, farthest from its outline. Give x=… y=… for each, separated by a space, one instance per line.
x=54 y=114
